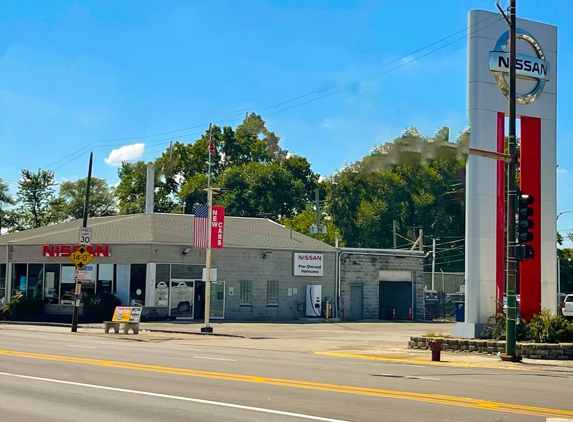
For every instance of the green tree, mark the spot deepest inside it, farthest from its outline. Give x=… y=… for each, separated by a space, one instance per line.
x=5 y=201
x=131 y=189
x=182 y=173
x=302 y=221
x=35 y=192
x=261 y=189
x=416 y=181
x=5 y=197
x=566 y=267
x=71 y=199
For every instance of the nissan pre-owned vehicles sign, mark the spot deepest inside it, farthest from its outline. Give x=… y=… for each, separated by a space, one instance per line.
x=308 y=264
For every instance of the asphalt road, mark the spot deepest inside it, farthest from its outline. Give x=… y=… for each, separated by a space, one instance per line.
x=70 y=377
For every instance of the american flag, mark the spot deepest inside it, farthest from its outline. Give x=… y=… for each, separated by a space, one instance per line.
x=200 y=225
x=212 y=149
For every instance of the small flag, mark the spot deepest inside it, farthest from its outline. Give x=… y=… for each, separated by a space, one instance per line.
x=212 y=148
x=200 y=226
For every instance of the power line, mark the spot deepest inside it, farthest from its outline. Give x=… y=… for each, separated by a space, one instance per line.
x=450 y=241
x=278 y=104
x=439 y=48
x=434 y=43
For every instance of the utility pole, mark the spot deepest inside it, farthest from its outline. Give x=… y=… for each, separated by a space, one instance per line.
x=512 y=275
x=394 y=224
x=317 y=214
x=76 y=311
x=207 y=327
x=433 y=262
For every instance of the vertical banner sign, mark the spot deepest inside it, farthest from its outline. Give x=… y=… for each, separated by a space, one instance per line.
x=217 y=226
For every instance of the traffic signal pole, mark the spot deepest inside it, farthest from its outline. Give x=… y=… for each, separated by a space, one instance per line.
x=511 y=265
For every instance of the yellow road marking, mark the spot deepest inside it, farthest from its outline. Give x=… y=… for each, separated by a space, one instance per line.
x=308 y=385
x=427 y=362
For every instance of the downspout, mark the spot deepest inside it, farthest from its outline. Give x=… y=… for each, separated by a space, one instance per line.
x=8 y=292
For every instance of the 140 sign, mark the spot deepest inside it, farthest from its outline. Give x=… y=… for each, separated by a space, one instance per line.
x=81 y=258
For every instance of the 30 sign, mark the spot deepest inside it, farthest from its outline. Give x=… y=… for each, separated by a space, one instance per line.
x=85 y=236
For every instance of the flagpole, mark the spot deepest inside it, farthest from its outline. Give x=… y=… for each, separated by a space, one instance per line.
x=207 y=327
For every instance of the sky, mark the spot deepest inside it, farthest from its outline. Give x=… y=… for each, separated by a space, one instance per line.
x=332 y=78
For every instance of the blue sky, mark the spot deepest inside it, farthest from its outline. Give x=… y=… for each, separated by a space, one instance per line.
x=73 y=73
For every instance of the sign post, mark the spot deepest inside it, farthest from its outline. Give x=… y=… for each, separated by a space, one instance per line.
x=82 y=256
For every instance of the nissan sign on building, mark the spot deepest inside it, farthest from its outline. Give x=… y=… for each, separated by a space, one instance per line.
x=488 y=91
x=308 y=264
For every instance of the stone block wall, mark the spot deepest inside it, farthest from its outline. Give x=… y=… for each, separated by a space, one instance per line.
x=561 y=351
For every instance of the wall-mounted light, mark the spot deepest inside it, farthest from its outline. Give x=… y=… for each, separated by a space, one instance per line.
x=186 y=251
x=265 y=254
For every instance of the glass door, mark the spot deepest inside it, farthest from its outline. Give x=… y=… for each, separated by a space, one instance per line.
x=181 y=298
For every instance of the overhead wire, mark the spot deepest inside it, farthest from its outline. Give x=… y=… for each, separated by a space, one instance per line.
x=275 y=105
x=434 y=43
x=442 y=47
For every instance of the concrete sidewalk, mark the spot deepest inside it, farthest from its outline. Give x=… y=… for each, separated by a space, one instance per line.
x=360 y=340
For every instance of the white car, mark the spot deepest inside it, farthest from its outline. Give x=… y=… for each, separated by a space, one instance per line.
x=567 y=307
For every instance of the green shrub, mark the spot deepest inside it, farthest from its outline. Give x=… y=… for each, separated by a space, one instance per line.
x=434 y=334
x=547 y=328
x=20 y=305
x=496 y=326
x=99 y=307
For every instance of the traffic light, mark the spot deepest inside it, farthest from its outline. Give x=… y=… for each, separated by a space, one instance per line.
x=524 y=226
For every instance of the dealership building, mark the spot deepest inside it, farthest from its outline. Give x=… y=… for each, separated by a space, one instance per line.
x=262 y=273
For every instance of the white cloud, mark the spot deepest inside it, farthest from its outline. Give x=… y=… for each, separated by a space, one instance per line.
x=561 y=171
x=125 y=153
x=408 y=59
x=325 y=123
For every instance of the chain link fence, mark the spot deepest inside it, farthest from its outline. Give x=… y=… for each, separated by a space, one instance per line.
x=440 y=298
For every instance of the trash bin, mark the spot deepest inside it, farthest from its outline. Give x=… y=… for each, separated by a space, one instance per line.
x=460 y=311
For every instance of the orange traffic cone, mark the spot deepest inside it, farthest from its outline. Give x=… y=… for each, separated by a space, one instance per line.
x=393 y=313
x=410 y=313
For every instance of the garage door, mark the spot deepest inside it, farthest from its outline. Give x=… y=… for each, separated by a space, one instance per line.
x=395 y=295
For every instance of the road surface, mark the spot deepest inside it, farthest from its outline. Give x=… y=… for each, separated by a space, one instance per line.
x=69 y=377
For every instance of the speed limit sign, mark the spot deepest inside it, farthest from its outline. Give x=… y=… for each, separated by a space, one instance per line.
x=85 y=236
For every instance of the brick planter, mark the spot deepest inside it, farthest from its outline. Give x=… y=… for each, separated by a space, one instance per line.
x=561 y=351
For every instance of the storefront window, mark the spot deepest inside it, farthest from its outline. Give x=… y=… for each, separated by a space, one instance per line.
x=137 y=283
x=88 y=285
x=2 y=284
x=162 y=278
x=35 y=280
x=187 y=272
x=19 y=275
x=52 y=284
x=105 y=277
x=68 y=285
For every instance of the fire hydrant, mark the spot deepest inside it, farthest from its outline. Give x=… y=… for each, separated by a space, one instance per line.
x=436 y=348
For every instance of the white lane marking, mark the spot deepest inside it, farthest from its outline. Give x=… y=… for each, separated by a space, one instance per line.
x=412 y=377
x=81 y=347
x=558 y=420
x=204 y=357
x=167 y=396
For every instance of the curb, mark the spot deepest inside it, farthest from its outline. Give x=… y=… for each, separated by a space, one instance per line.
x=150 y=330
x=521 y=366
